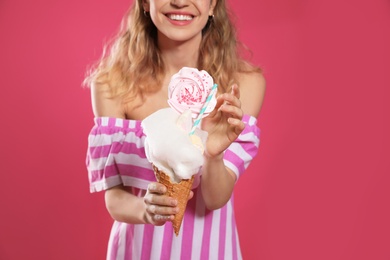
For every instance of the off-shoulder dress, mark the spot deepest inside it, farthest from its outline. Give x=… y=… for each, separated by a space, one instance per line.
x=116 y=155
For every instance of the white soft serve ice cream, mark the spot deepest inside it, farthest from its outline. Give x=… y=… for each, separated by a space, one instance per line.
x=169 y=147
x=168 y=144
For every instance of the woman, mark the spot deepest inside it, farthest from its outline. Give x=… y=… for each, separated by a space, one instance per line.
x=157 y=39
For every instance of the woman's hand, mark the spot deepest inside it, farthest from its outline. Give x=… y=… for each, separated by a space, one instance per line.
x=224 y=124
x=159 y=207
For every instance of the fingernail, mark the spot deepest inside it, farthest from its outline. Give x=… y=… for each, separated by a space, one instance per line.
x=173 y=202
x=152 y=186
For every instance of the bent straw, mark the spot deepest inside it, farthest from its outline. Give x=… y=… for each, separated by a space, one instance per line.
x=204 y=107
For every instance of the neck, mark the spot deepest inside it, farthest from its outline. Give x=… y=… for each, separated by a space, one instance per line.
x=179 y=54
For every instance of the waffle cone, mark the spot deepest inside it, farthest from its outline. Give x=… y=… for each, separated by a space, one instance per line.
x=180 y=191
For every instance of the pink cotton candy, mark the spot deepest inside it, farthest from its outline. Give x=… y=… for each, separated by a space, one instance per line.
x=188 y=89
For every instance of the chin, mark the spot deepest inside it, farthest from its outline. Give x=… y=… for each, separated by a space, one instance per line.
x=183 y=36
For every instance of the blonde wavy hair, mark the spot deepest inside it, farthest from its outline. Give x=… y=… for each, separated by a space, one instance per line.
x=131 y=63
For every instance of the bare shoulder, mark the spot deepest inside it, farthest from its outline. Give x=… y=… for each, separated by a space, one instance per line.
x=252 y=90
x=104 y=104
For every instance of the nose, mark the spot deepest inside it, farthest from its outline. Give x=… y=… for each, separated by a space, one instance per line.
x=179 y=3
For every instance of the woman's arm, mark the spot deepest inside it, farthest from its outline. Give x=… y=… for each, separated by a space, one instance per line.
x=124 y=206
x=154 y=208
x=224 y=126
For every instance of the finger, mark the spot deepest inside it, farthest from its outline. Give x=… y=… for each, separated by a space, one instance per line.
x=161 y=210
x=233 y=111
x=155 y=187
x=235 y=91
x=219 y=103
x=162 y=218
x=231 y=99
x=191 y=195
x=239 y=126
x=160 y=200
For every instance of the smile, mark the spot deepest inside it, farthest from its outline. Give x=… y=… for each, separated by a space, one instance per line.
x=180 y=17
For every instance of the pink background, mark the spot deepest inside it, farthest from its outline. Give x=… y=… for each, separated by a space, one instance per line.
x=319 y=188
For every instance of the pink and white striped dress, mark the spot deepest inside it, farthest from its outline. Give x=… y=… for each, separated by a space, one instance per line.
x=116 y=156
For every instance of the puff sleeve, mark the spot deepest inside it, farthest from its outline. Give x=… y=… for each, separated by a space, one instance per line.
x=116 y=155
x=242 y=151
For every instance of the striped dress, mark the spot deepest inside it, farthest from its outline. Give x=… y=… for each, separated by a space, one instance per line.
x=116 y=156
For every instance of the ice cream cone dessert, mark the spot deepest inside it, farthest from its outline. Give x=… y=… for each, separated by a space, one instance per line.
x=174 y=141
x=180 y=191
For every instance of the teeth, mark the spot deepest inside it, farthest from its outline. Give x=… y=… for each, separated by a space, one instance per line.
x=180 y=17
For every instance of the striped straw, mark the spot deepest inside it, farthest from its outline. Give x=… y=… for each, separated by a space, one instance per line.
x=204 y=107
